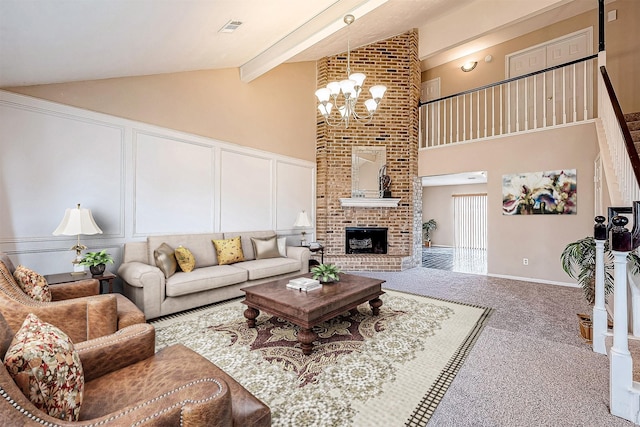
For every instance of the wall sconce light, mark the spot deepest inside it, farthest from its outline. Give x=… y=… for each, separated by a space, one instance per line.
x=468 y=66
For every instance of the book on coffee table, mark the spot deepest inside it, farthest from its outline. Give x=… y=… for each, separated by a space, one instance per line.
x=304 y=284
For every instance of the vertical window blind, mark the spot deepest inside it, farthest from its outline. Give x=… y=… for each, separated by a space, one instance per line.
x=470 y=220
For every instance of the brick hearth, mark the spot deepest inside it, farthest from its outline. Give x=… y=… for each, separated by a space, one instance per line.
x=394 y=63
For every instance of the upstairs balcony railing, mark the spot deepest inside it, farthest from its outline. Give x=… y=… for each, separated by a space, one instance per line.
x=554 y=96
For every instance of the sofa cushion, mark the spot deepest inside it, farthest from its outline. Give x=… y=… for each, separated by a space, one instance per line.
x=265 y=247
x=202 y=279
x=33 y=284
x=185 y=259
x=229 y=251
x=261 y=268
x=165 y=260
x=46 y=367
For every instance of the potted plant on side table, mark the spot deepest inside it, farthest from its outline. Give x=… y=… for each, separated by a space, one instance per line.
x=97 y=261
x=579 y=262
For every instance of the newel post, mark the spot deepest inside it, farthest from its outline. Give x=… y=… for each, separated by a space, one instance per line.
x=621 y=365
x=599 y=318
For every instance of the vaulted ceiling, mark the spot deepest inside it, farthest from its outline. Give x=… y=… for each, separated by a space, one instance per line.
x=50 y=41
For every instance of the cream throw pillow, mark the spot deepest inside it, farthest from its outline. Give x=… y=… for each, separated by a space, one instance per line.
x=228 y=250
x=265 y=247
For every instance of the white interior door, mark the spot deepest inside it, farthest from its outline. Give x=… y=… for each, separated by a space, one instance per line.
x=556 y=101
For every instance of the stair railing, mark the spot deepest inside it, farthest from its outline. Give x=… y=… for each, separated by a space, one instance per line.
x=554 y=96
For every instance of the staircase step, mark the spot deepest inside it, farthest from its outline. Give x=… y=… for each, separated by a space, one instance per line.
x=632 y=117
x=634 y=125
x=635 y=135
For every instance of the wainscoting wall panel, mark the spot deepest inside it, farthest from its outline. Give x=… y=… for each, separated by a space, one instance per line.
x=245 y=192
x=137 y=179
x=174 y=186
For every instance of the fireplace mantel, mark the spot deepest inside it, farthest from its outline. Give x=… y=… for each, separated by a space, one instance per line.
x=364 y=202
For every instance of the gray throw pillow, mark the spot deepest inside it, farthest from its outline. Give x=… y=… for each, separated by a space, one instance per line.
x=265 y=247
x=166 y=260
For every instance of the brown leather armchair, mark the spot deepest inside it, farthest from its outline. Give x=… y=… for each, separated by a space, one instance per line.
x=71 y=303
x=127 y=384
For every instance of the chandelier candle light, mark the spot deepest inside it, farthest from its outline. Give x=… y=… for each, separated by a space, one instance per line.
x=350 y=89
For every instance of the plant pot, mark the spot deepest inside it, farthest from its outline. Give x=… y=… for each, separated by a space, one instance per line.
x=586 y=326
x=97 y=270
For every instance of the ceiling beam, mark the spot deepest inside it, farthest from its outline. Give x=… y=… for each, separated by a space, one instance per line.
x=319 y=27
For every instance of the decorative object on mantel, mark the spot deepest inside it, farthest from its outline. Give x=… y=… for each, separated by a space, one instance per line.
x=326 y=273
x=350 y=88
x=97 y=261
x=303 y=221
x=385 y=183
x=76 y=222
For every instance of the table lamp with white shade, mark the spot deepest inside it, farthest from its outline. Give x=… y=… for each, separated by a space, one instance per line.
x=77 y=221
x=303 y=221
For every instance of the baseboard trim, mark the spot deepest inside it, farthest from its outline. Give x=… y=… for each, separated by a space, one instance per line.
x=530 y=279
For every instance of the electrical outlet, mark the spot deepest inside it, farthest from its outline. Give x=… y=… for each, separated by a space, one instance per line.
x=525 y=261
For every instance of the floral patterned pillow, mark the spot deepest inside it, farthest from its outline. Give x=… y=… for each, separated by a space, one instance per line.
x=229 y=250
x=45 y=365
x=32 y=283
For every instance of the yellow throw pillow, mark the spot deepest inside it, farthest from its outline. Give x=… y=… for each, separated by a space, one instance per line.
x=228 y=250
x=185 y=258
x=265 y=247
x=166 y=260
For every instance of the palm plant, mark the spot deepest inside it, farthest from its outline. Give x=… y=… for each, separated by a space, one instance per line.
x=427 y=227
x=579 y=262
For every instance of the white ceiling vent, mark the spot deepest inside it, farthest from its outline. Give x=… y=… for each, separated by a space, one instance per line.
x=230 y=27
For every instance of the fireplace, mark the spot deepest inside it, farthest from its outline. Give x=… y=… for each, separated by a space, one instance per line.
x=365 y=240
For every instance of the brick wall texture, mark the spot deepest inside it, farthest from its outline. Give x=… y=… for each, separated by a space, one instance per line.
x=395 y=64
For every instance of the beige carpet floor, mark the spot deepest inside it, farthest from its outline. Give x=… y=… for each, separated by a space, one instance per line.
x=388 y=370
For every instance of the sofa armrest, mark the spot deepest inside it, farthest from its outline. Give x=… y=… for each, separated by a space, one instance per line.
x=302 y=254
x=137 y=273
x=106 y=354
x=81 y=288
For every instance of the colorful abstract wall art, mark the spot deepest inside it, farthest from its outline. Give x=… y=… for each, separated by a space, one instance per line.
x=541 y=193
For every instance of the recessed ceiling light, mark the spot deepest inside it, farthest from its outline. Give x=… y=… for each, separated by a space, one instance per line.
x=230 y=27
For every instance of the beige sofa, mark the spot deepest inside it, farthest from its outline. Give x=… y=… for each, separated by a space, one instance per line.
x=146 y=285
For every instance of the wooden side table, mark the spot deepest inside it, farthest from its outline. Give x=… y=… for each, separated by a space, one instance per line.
x=54 y=279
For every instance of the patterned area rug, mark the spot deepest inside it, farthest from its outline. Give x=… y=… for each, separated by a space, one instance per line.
x=391 y=369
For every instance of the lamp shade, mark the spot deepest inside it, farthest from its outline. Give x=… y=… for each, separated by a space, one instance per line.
x=302 y=220
x=77 y=221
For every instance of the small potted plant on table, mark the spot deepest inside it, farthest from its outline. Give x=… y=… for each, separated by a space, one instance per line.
x=326 y=273
x=97 y=261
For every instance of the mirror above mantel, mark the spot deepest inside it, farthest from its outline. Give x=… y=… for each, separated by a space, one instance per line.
x=369 y=179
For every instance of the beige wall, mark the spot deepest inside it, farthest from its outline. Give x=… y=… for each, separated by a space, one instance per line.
x=275 y=112
x=622 y=45
x=437 y=203
x=623 y=53
x=540 y=238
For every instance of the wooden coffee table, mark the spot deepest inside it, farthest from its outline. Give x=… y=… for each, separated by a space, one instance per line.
x=307 y=309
